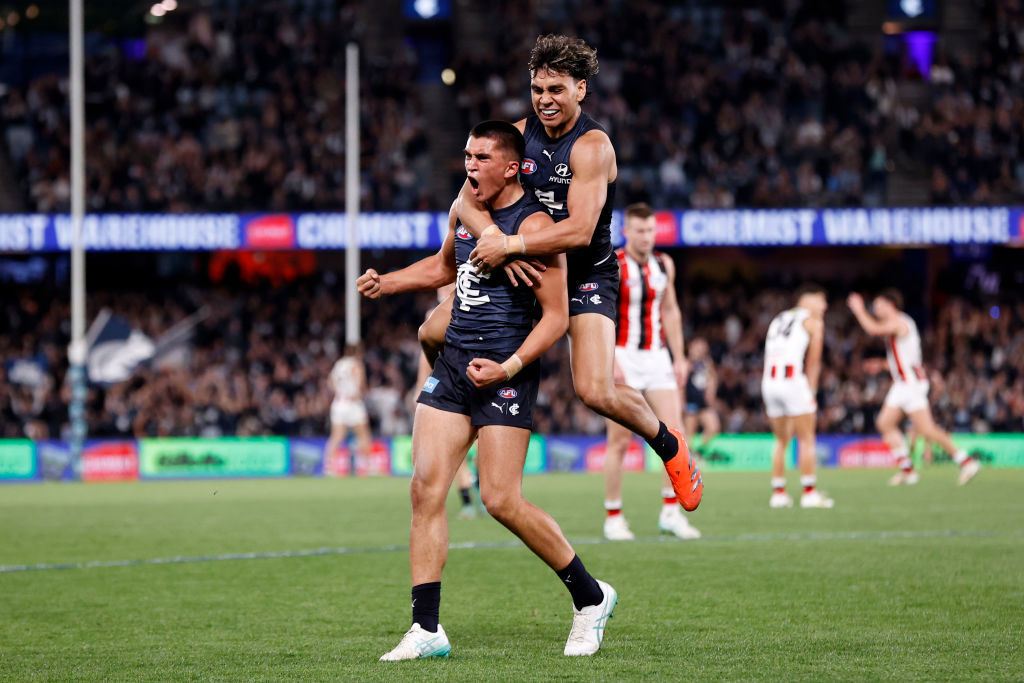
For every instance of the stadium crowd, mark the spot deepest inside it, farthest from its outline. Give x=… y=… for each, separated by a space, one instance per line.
x=708 y=108
x=259 y=359
x=970 y=136
x=244 y=112
x=711 y=108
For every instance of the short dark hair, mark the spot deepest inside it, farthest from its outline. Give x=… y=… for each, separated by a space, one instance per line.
x=504 y=134
x=812 y=288
x=563 y=54
x=639 y=210
x=894 y=296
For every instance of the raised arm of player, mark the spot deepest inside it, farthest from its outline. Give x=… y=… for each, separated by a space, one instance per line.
x=812 y=362
x=871 y=324
x=593 y=163
x=432 y=272
x=672 y=322
x=554 y=321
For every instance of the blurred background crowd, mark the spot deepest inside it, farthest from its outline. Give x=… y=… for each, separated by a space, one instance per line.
x=258 y=361
x=226 y=105
x=777 y=104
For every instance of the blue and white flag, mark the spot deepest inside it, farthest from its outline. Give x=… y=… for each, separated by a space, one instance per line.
x=116 y=349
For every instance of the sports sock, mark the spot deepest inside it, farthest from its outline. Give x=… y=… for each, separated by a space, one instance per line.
x=778 y=484
x=582 y=586
x=808 y=481
x=668 y=498
x=664 y=444
x=613 y=507
x=903 y=460
x=960 y=457
x=464 y=493
x=426 y=605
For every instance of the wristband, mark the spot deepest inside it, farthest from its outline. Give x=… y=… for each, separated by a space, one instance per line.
x=522 y=245
x=512 y=366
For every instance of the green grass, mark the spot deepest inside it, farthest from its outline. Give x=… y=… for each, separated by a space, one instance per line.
x=767 y=594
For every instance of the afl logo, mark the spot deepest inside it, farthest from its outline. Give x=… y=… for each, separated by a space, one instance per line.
x=462 y=233
x=529 y=166
x=563 y=170
x=588 y=286
x=508 y=392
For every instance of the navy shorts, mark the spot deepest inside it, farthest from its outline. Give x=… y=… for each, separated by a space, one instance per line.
x=509 y=404
x=594 y=289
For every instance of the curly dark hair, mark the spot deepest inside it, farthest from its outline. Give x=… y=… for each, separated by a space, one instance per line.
x=563 y=54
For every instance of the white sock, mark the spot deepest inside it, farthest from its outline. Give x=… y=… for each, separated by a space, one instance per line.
x=902 y=456
x=960 y=456
x=809 y=480
x=778 y=482
x=613 y=504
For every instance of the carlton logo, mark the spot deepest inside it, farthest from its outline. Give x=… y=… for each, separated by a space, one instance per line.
x=462 y=233
x=529 y=166
x=508 y=392
x=588 y=286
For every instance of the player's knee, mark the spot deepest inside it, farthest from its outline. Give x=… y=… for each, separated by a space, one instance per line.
x=596 y=395
x=425 y=494
x=499 y=504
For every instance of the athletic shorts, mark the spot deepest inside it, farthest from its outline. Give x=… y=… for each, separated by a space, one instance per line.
x=696 y=399
x=348 y=413
x=788 y=397
x=594 y=289
x=909 y=397
x=509 y=404
x=646 y=370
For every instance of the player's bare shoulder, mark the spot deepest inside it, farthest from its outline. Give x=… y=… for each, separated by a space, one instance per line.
x=593 y=153
x=521 y=125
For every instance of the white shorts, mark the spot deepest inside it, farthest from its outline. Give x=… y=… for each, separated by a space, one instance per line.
x=909 y=397
x=646 y=370
x=788 y=397
x=348 y=413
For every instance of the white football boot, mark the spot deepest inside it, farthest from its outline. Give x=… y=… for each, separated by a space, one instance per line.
x=588 y=624
x=908 y=478
x=968 y=469
x=617 y=529
x=673 y=521
x=418 y=643
x=816 y=499
x=780 y=500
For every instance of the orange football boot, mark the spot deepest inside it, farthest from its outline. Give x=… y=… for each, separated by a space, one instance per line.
x=684 y=475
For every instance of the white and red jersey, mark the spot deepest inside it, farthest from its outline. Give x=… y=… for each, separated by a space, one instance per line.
x=785 y=346
x=641 y=289
x=904 y=354
x=345 y=380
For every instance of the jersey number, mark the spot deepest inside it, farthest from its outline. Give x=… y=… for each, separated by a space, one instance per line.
x=782 y=327
x=548 y=200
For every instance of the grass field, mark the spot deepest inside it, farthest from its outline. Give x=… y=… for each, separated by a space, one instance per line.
x=913 y=583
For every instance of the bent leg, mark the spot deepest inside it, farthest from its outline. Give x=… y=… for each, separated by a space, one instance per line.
x=502 y=454
x=337 y=436
x=592 y=346
x=782 y=430
x=924 y=425
x=439 y=443
x=434 y=328
x=803 y=427
x=618 y=443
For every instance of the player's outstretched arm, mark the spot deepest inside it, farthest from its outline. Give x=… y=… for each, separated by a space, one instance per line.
x=871 y=324
x=554 y=322
x=812 y=362
x=672 y=322
x=432 y=272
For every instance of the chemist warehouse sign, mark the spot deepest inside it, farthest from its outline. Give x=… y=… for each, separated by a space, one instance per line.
x=426 y=230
